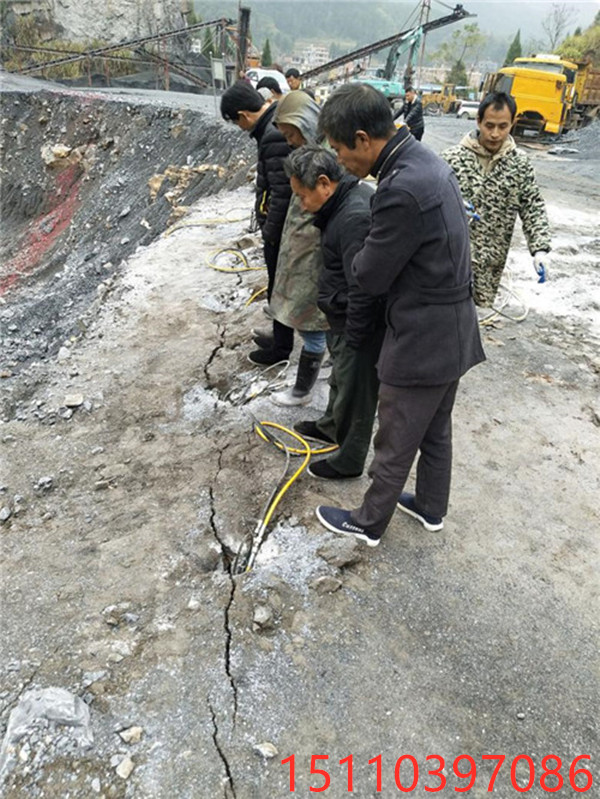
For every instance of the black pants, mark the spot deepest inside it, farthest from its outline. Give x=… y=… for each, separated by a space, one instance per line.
x=350 y=412
x=283 y=336
x=411 y=419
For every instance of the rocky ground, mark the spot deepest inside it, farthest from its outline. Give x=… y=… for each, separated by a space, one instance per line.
x=134 y=662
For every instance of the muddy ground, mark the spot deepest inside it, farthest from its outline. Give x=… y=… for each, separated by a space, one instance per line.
x=131 y=473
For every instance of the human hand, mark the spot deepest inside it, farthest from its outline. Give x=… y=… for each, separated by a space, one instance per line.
x=541 y=263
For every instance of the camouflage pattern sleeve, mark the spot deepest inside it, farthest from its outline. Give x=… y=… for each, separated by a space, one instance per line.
x=532 y=210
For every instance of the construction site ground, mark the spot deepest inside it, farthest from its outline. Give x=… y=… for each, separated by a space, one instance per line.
x=130 y=475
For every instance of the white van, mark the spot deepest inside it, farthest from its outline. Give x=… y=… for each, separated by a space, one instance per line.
x=254 y=74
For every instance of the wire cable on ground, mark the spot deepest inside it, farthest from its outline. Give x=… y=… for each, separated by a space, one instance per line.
x=250 y=546
x=216 y=220
x=505 y=294
x=237 y=396
x=213 y=261
x=505 y=289
x=246 y=555
x=254 y=296
x=321 y=450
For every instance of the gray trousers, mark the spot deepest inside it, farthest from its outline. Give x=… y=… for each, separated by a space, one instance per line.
x=411 y=419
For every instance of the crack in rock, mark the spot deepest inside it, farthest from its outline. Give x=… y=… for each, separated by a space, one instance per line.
x=221 y=333
x=215 y=737
x=27 y=683
x=227 y=562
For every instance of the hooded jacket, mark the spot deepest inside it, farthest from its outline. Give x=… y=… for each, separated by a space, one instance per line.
x=295 y=290
x=273 y=190
x=299 y=109
x=417 y=253
x=344 y=222
x=500 y=186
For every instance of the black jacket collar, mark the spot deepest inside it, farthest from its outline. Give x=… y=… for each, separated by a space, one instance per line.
x=258 y=130
x=386 y=156
x=328 y=209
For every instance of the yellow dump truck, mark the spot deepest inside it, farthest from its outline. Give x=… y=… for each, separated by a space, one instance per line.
x=552 y=94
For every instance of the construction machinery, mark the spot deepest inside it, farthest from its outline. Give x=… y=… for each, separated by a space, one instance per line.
x=397 y=43
x=446 y=101
x=553 y=95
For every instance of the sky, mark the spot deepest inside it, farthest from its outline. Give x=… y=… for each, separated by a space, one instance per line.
x=497 y=16
x=503 y=17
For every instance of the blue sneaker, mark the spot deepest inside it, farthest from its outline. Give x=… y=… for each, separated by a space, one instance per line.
x=406 y=503
x=340 y=521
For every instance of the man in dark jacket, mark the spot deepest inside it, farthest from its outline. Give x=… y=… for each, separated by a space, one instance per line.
x=246 y=107
x=412 y=111
x=342 y=212
x=417 y=255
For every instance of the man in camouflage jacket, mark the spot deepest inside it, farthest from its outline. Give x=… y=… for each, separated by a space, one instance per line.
x=500 y=182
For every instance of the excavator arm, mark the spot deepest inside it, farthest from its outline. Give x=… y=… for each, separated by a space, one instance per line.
x=457 y=15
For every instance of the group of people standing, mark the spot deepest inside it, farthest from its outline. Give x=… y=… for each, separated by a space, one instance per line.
x=381 y=274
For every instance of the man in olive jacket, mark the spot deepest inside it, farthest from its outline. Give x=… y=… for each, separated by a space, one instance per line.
x=417 y=255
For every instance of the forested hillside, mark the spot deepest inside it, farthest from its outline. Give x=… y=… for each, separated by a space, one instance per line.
x=348 y=23
x=344 y=26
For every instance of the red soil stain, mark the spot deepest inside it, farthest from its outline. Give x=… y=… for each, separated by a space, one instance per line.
x=45 y=231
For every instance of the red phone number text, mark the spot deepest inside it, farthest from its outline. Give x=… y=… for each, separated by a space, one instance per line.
x=407 y=774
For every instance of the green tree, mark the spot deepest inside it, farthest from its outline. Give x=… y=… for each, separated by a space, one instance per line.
x=583 y=48
x=464 y=46
x=514 y=51
x=457 y=74
x=194 y=19
x=266 y=58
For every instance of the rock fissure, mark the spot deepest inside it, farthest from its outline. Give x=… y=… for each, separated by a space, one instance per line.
x=215 y=737
x=28 y=682
x=227 y=566
x=221 y=333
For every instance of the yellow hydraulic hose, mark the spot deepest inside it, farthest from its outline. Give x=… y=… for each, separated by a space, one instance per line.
x=245 y=267
x=250 y=547
x=254 y=296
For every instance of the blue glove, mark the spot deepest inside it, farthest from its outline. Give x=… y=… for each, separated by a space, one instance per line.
x=541 y=262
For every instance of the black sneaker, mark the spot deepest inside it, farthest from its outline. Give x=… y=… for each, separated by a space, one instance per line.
x=406 y=503
x=267 y=357
x=340 y=521
x=310 y=430
x=324 y=471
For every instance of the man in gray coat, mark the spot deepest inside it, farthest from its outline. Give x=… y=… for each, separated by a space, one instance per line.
x=417 y=255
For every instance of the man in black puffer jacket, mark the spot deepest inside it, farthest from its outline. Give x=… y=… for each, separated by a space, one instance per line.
x=244 y=106
x=412 y=111
x=416 y=255
x=342 y=212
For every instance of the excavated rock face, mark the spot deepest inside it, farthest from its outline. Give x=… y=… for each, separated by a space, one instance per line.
x=114 y=21
x=85 y=182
